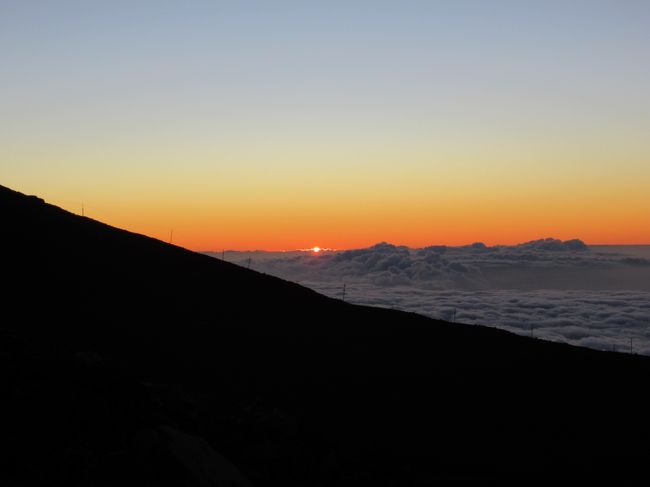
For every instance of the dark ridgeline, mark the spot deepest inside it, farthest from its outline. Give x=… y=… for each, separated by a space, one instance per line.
x=123 y=357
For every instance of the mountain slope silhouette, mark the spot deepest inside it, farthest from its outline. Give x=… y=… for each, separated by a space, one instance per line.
x=111 y=340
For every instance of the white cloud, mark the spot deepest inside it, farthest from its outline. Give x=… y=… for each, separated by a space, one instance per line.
x=595 y=319
x=566 y=291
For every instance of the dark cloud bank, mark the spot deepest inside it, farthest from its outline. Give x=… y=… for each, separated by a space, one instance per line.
x=563 y=290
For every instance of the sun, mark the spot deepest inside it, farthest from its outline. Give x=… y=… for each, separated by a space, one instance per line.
x=316 y=249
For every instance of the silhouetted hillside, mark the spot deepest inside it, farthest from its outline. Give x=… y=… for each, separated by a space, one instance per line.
x=124 y=357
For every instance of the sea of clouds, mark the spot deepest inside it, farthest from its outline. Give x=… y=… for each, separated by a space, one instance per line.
x=557 y=290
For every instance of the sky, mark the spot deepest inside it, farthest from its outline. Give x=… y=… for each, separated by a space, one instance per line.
x=285 y=124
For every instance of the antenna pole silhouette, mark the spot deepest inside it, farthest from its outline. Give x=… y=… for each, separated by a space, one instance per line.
x=171 y=236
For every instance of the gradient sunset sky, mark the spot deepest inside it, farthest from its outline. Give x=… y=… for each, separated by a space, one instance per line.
x=281 y=125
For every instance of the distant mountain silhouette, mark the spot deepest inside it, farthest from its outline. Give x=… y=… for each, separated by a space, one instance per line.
x=129 y=361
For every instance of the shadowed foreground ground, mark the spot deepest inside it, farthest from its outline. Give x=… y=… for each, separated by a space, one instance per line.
x=128 y=361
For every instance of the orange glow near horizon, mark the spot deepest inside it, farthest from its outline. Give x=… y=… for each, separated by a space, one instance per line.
x=405 y=197
x=436 y=223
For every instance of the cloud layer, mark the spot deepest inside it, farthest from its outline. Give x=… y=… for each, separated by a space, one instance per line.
x=562 y=290
x=596 y=319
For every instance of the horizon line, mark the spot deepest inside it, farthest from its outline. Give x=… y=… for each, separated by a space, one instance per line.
x=330 y=250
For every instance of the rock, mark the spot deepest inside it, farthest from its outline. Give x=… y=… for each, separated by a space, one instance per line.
x=173 y=457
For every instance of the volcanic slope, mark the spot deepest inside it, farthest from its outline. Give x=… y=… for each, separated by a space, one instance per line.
x=108 y=334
